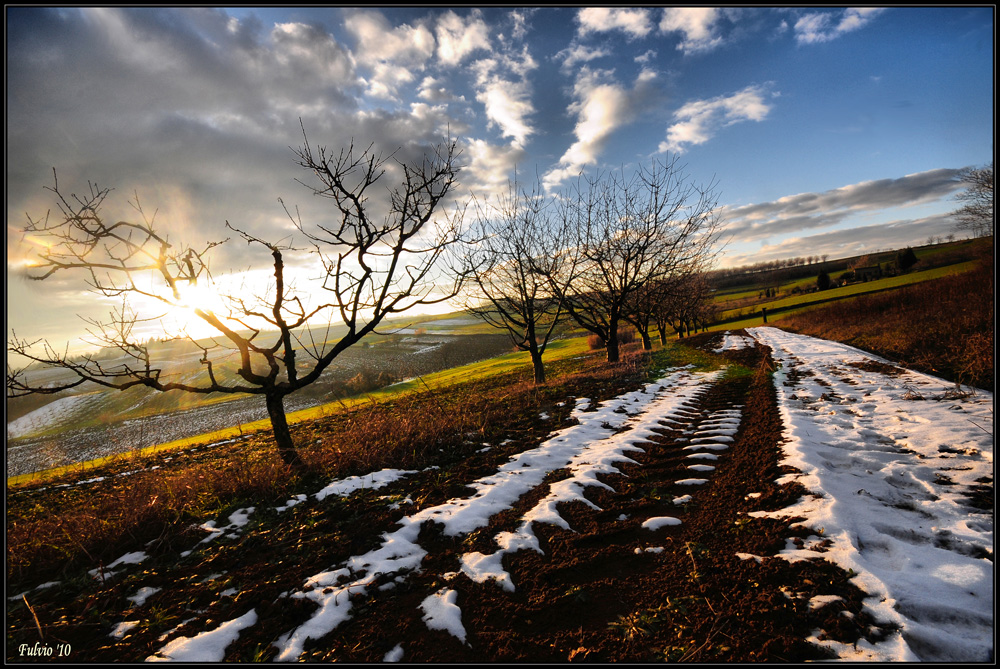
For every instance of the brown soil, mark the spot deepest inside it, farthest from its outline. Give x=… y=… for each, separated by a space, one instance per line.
x=594 y=594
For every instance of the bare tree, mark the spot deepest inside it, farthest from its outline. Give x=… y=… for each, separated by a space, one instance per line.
x=976 y=214
x=685 y=305
x=376 y=264
x=634 y=231
x=518 y=253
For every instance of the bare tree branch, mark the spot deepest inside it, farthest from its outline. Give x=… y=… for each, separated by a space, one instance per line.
x=380 y=257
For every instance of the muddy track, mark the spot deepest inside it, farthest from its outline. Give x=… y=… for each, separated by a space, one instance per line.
x=610 y=588
x=657 y=559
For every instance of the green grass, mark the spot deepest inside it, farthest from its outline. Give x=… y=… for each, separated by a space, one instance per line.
x=852 y=290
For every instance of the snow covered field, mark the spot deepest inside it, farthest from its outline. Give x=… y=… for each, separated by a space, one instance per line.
x=889 y=457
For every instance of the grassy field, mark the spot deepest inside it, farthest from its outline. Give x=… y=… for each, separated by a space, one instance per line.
x=558 y=351
x=852 y=290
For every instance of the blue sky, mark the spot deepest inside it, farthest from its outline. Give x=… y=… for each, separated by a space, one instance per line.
x=828 y=130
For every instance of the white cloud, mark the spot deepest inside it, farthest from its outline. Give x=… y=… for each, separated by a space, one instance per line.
x=634 y=22
x=602 y=105
x=378 y=42
x=392 y=55
x=848 y=242
x=434 y=90
x=520 y=21
x=697 y=24
x=489 y=166
x=578 y=53
x=698 y=121
x=508 y=105
x=820 y=27
x=795 y=213
x=458 y=37
x=645 y=57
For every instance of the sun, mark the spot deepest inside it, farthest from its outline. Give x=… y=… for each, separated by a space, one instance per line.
x=193 y=297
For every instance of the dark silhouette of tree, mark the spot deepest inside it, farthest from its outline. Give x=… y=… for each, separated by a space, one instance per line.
x=906 y=259
x=685 y=307
x=632 y=231
x=378 y=260
x=823 y=281
x=518 y=253
x=976 y=214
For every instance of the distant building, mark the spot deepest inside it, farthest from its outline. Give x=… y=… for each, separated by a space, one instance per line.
x=868 y=273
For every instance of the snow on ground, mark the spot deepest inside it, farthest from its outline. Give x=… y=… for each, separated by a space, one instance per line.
x=888 y=460
x=887 y=472
x=52 y=414
x=207 y=646
x=373 y=481
x=590 y=447
x=734 y=342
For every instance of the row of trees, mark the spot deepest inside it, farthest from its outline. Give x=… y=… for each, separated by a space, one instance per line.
x=615 y=249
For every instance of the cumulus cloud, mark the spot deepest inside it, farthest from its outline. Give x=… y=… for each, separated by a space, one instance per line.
x=392 y=55
x=817 y=27
x=696 y=24
x=633 y=22
x=575 y=54
x=504 y=90
x=806 y=211
x=601 y=106
x=508 y=106
x=489 y=166
x=698 y=121
x=458 y=37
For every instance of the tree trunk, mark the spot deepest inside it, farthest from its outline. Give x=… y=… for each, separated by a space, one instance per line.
x=612 y=345
x=536 y=363
x=663 y=336
x=647 y=343
x=282 y=435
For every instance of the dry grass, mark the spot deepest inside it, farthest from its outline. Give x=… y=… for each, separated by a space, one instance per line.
x=96 y=521
x=943 y=327
x=59 y=527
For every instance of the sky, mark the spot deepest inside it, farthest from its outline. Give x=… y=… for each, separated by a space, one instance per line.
x=831 y=131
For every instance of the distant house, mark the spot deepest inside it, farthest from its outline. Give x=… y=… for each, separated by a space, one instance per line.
x=868 y=273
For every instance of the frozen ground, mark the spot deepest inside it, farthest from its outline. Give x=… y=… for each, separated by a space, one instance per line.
x=890 y=457
x=892 y=461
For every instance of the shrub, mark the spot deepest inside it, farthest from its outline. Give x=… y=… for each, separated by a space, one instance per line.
x=906 y=259
x=625 y=336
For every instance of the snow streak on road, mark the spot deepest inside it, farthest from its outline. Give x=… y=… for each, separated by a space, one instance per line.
x=893 y=459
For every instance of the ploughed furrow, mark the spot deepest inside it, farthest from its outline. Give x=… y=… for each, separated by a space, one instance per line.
x=426 y=548
x=635 y=566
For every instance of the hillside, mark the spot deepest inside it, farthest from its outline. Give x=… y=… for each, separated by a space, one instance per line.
x=685 y=506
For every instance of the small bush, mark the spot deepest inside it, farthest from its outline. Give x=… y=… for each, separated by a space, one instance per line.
x=625 y=336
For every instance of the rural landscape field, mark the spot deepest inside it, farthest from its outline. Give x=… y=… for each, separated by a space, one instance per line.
x=743 y=494
x=500 y=334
